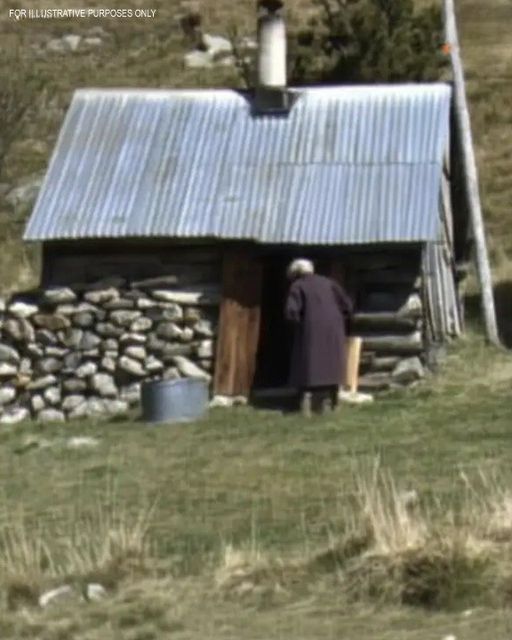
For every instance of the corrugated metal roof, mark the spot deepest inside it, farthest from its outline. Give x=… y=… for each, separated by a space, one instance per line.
x=347 y=165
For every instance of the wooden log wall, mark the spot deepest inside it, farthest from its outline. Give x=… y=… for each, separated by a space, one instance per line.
x=387 y=289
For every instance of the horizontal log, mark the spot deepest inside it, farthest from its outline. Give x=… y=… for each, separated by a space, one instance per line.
x=386 y=363
x=385 y=321
x=393 y=344
x=372 y=382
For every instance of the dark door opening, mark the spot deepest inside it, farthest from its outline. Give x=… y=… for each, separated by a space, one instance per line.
x=273 y=359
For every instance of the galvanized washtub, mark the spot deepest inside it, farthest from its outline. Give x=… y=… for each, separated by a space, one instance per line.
x=168 y=401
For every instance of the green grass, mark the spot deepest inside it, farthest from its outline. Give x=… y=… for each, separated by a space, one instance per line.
x=274 y=491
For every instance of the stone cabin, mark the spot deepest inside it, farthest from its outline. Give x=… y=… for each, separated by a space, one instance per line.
x=193 y=202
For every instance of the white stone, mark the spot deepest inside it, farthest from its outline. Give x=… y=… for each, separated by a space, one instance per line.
x=190 y=370
x=59 y=295
x=26 y=366
x=34 y=350
x=204 y=329
x=49 y=365
x=217 y=44
x=205 y=349
x=153 y=365
x=124 y=317
x=41 y=383
x=71 y=337
x=146 y=303
x=141 y=324
x=80 y=442
x=178 y=297
x=51 y=415
x=187 y=335
x=101 y=295
x=53 y=395
x=95 y=592
x=7 y=394
x=89 y=341
x=104 y=384
x=22 y=309
x=134 y=367
x=72 y=41
x=15 y=415
x=3 y=305
x=169 y=331
x=133 y=338
x=408 y=370
x=8 y=354
x=19 y=329
x=7 y=370
x=55 y=352
x=115 y=407
x=109 y=364
x=37 y=403
x=54 y=595
x=139 y=353
x=248 y=43
x=72 y=402
x=73 y=385
x=131 y=393
x=87 y=369
x=83 y=319
x=198 y=60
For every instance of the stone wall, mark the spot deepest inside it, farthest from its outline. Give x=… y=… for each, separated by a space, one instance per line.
x=81 y=351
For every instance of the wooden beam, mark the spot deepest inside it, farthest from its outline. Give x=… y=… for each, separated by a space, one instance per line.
x=463 y=123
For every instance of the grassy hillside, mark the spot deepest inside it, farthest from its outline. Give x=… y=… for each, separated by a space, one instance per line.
x=257 y=525
x=149 y=53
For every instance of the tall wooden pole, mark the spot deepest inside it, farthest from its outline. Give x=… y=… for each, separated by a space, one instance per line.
x=463 y=123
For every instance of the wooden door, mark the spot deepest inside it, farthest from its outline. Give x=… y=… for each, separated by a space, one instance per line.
x=239 y=324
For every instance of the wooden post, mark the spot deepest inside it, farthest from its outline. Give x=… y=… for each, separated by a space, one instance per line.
x=353 y=358
x=463 y=124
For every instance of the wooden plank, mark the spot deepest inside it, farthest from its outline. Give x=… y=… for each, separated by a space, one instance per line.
x=463 y=123
x=384 y=321
x=354 y=345
x=239 y=325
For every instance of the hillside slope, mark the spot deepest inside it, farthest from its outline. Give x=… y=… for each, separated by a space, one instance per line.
x=150 y=53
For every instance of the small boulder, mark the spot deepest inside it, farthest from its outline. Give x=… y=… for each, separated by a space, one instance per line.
x=71 y=337
x=14 y=415
x=7 y=394
x=198 y=60
x=19 y=330
x=74 y=385
x=8 y=370
x=72 y=402
x=108 y=330
x=53 y=395
x=204 y=329
x=51 y=322
x=83 y=319
x=408 y=370
x=138 y=353
x=168 y=331
x=131 y=366
x=95 y=592
x=58 y=295
x=86 y=369
x=37 y=403
x=104 y=385
x=8 y=354
x=72 y=41
x=189 y=369
x=108 y=364
x=131 y=393
x=101 y=296
x=141 y=325
x=51 y=415
x=124 y=317
x=41 y=383
x=89 y=341
x=21 y=309
x=49 y=365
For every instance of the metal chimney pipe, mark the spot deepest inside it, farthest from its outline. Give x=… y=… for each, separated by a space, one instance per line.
x=271 y=51
x=271 y=95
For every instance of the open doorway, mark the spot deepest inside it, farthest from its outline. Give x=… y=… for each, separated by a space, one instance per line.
x=274 y=348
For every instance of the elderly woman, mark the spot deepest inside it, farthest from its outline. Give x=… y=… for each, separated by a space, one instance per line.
x=318 y=309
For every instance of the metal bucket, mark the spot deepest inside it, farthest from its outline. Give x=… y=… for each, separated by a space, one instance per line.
x=174 y=400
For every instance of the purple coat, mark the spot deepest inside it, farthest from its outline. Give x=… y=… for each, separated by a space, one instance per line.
x=318 y=309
